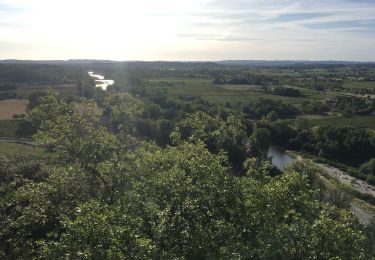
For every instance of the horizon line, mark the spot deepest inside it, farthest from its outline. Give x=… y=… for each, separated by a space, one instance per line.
x=192 y=61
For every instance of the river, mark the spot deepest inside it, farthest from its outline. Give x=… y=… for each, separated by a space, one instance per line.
x=100 y=81
x=279 y=157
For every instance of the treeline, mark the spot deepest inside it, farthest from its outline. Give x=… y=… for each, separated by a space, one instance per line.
x=245 y=79
x=287 y=92
x=7 y=91
x=264 y=107
x=347 y=105
x=38 y=73
x=352 y=105
x=345 y=145
x=7 y=95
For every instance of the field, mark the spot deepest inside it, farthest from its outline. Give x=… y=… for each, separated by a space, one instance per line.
x=16 y=129
x=204 y=88
x=239 y=87
x=356 y=84
x=23 y=91
x=10 y=107
x=221 y=94
x=7 y=148
x=184 y=81
x=341 y=121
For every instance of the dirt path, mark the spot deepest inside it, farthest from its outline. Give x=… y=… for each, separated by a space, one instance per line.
x=17 y=140
x=354 y=183
x=363 y=212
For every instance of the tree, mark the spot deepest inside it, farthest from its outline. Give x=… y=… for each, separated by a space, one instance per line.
x=74 y=134
x=34 y=100
x=165 y=128
x=228 y=135
x=272 y=116
x=103 y=199
x=183 y=203
x=259 y=142
x=368 y=167
x=302 y=123
x=123 y=109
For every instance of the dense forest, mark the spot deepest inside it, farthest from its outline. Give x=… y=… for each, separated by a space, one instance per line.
x=172 y=162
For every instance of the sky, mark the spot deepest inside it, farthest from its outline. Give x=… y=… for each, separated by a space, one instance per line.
x=193 y=30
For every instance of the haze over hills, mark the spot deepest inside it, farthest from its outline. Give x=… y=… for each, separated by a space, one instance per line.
x=220 y=62
x=289 y=62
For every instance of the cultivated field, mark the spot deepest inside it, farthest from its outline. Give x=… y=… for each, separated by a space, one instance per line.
x=10 y=107
x=342 y=121
x=204 y=88
x=353 y=84
x=23 y=91
x=8 y=148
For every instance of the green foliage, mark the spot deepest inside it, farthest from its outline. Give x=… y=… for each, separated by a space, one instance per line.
x=33 y=212
x=340 y=144
x=272 y=116
x=50 y=107
x=367 y=171
x=16 y=128
x=259 y=142
x=105 y=199
x=228 y=135
x=288 y=92
x=353 y=105
x=368 y=168
x=75 y=135
x=314 y=107
x=346 y=144
x=370 y=234
x=34 y=99
x=123 y=109
x=99 y=231
x=262 y=107
x=302 y=123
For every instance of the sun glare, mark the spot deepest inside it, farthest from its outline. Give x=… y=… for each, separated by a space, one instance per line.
x=117 y=28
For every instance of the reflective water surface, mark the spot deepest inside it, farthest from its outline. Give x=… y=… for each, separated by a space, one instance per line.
x=100 y=81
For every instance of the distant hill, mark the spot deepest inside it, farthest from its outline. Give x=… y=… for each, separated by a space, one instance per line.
x=286 y=62
x=178 y=64
x=92 y=64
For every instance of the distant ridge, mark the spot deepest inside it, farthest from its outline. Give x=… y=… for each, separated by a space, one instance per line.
x=288 y=62
x=212 y=63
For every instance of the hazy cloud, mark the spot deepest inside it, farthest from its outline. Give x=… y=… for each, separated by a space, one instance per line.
x=169 y=29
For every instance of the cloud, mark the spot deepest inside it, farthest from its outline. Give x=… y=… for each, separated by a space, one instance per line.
x=243 y=28
x=351 y=24
x=7 y=8
x=217 y=37
x=298 y=17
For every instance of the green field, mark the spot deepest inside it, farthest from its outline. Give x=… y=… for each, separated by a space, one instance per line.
x=15 y=128
x=8 y=148
x=180 y=81
x=24 y=91
x=251 y=93
x=356 y=84
x=240 y=87
x=229 y=93
x=341 y=121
